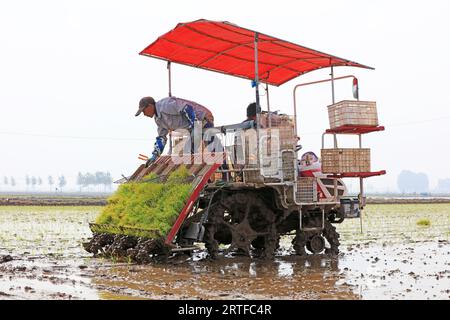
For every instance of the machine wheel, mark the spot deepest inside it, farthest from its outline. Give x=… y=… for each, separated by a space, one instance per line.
x=241 y=219
x=316 y=244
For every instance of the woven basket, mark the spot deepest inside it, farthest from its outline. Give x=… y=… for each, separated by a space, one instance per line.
x=345 y=160
x=353 y=113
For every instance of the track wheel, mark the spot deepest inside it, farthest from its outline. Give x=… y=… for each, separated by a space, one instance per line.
x=240 y=219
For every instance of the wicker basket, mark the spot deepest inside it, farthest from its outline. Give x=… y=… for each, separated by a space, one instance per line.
x=276 y=120
x=353 y=113
x=345 y=160
x=284 y=124
x=287 y=138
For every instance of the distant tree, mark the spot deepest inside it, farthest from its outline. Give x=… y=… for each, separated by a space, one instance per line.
x=5 y=180
x=39 y=181
x=100 y=178
x=89 y=179
x=80 y=180
x=411 y=182
x=12 y=181
x=27 y=181
x=62 y=182
x=33 y=181
x=51 y=182
x=94 y=179
x=108 y=180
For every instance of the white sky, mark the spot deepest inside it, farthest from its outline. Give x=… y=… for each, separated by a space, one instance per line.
x=71 y=79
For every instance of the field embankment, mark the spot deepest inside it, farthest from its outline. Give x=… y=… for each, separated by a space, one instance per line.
x=101 y=200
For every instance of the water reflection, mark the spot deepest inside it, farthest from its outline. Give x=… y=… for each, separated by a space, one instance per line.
x=290 y=277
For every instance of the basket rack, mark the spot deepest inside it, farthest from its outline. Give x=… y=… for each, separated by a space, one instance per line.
x=355 y=130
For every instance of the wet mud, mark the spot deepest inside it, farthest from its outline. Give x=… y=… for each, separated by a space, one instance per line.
x=41 y=257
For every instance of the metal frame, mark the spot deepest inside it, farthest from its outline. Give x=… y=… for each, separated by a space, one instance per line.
x=311 y=83
x=361 y=184
x=189 y=204
x=258 y=105
x=300 y=218
x=332 y=79
x=170 y=77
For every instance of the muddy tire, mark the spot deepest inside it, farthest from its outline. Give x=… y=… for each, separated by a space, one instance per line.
x=314 y=241
x=332 y=237
x=315 y=244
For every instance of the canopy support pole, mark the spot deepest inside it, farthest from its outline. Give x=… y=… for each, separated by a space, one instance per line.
x=335 y=190
x=307 y=84
x=170 y=78
x=268 y=105
x=332 y=84
x=361 y=191
x=257 y=97
x=170 y=94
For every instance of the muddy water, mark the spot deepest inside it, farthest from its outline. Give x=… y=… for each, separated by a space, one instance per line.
x=384 y=262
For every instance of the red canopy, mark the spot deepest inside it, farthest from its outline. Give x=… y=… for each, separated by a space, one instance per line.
x=227 y=48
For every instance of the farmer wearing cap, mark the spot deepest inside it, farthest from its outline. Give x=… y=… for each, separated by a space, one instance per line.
x=171 y=114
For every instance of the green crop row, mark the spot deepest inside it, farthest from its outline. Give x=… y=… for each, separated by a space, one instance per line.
x=148 y=205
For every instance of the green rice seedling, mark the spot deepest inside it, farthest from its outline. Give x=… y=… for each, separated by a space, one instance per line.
x=423 y=222
x=150 y=205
